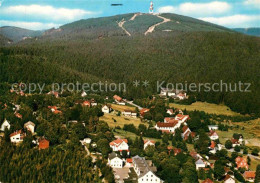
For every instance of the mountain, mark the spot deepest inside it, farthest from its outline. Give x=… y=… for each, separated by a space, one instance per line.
x=17 y=34
x=116 y=49
x=249 y=31
x=4 y=40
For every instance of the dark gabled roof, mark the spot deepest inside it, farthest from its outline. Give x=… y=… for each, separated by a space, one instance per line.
x=113 y=155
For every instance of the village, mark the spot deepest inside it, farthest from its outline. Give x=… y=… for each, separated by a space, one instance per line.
x=160 y=136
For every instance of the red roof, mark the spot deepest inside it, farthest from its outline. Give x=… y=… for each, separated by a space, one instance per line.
x=86 y=103
x=43 y=143
x=249 y=174
x=129 y=160
x=116 y=97
x=234 y=141
x=52 y=107
x=241 y=162
x=212 y=133
x=184 y=128
x=152 y=141
x=117 y=142
x=168 y=119
x=159 y=124
x=181 y=117
x=227 y=177
x=207 y=181
x=18 y=115
x=177 y=151
x=16 y=133
x=213 y=145
x=170 y=110
x=57 y=112
x=143 y=111
x=193 y=154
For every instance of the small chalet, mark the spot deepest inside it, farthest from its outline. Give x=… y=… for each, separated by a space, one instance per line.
x=241 y=163
x=5 y=125
x=143 y=111
x=29 y=126
x=249 y=176
x=17 y=136
x=115 y=160
x=119 y=145
x=106 y=108
x=185 y=132
x=213 y=127
x=229 y=179
x=118 y=100
x=129 y=162
x=148 y=143
x=213 y=135
x=208 y=181
x=236 y=142
x=43 y=143
x=170 y=111
x=200 y=164
x=129 y=113
x=181 y=96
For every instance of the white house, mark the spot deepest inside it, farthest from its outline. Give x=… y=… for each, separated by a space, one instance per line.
x=17 y=136
x=115 y=160
x=213 y=135
x=148 y=143
x=145 y=170
x=5 y=125
x=129 y=113
x=29 y=126
x=213 y=127
x=85 y=141
x=182 y=118
x=119 y=100
x=83 y=94
x=229 y=179
x=119 y=145
x=185 y=132
x=200 y=164
x=106 y=109
x=181 y=96
x=167 y=127
x=170 y=111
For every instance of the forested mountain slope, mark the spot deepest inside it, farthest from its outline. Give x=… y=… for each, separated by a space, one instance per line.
x=88 y=51
x=249 y=31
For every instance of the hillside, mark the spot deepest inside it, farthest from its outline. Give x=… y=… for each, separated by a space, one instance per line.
x=249 y=31
x=93 y=49
x=17 y=34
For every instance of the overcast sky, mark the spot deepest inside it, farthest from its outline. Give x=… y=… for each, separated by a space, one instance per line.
x=44 y=14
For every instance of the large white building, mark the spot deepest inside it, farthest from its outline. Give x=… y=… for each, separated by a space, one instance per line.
x=119 y=145
x=145 y=170
x=5 y=125
x=115 y=160
x=129 y=113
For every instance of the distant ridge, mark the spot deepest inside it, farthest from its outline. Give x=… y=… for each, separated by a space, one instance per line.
x=254 y=31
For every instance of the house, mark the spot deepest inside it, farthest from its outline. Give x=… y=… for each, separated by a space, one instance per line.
x=163 y=92
x=208 y=181
x=249 y=176
x=86 y=103
x=129 y=113
x=106 y=109
x=195 y=155
x=213 y=135
x=5 y=125
x=128 y=162
x=115 y=160
x=181 y=96
x=148 y=143
x=145 y=170
x=29 y=126
x=43 y=143
x=241 y=163
x=83 y=94
x=170 y=111
x=18 y=115
x=168 y=119
x=213 y=127
x=235 y=142
x=118 y=100
x=119 y=145
x=182 y=118
x=167 y=127
x=144 y=111
x=93 y=102
x=214 y=147
x=185 y=132
x=55 y=94
x=200 y=164
x=229 y=179
x=85 y=141
x=17 y=136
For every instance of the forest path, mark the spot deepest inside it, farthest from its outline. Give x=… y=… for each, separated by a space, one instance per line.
x=151 y=29
x=121 y=25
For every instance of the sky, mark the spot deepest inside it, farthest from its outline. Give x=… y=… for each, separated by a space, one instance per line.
x=45 y=14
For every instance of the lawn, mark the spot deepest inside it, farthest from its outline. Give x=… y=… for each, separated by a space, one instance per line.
x=122 y=107
x=252 y=127
x=206 y=107
x=120 y=120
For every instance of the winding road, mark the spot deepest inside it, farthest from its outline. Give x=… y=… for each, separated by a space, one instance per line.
x=151 y=29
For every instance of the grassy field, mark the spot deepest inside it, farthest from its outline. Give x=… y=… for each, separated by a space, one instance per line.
x=252 y=127
x=122 y=107
x=206 y=107
x=120 y=120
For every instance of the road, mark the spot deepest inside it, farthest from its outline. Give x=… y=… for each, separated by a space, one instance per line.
x=132 y=103
x=151 y=29
x=241 y=152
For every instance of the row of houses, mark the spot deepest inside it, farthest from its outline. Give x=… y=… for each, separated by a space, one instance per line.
x=177 y=94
